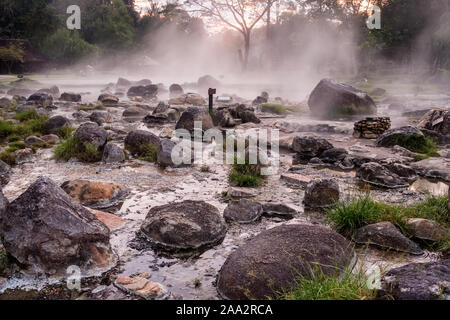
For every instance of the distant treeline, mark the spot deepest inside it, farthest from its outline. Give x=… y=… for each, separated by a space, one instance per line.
x=410 y=28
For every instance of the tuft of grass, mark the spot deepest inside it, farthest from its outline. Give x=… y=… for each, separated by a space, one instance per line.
x=348 y=286
x=16 y=145
x=3 y=259
x=8 y=157
x=7 y=128
x=65 y=132
x=144 y=152
x=73 y=148
x=275 y=108
x=205 y=169
x=350 y=215
x=444 y=245
x=420 y=144
x=245 y=175
x=26 y=115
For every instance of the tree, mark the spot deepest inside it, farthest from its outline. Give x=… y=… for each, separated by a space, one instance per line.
x=11 y=55
x=240 y=15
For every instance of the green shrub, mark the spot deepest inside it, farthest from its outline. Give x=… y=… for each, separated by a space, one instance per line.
x=16 y=145
x=73 y=148
x=8 y=157
x=274 y=108
x=7 y=128
x=419 y=144
x=348 y=286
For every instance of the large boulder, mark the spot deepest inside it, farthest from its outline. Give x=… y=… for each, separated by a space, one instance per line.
x=426 y=229
x=44 y=229
x=223 y=118
x=164 y=157
x=207 y=82
x=321 y=193
x=436 y=120
x=91 y=133
x=386 y=235
x=108 y=99
x=55 y=124
x=135 y=139
x=395 y=136
x=243 y=211
x=331 y=98
x=375 y=174
x=271 y=261
x=184 y=227
x=418 y=281
x=280 y=210
x=149 y=91
x=192 y=114
x=41 y=99
x=96 y=194
x=53 y=90
x=176 y=90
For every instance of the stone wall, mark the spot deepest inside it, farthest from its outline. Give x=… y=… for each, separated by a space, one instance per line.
x=371 y=128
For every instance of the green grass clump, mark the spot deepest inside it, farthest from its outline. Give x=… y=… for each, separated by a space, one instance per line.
x=65 y=132
x=3 y=259
x=444 y=245
x=73 y=148
x=245 y=175
x=8 y=157
x=420 y=144
x=348 y=216
x=348 y=286
x=17 y=145
x=7 y=128
x=26 y=115
x=144 y=152
x=274 y=108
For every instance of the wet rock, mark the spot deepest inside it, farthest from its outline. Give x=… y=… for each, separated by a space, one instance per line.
x=184 y=227
x=386 y=235
x=54 y=124
x=23 y=156
x=309 y=147
x=418 y=281
x=100 y=117
x=136 y=138
x=402 y=170
x=122 y=82
x=5 y=102
x=272 y=260
x=192 y=114
x=96 y=194
x=108 y=99
x=321 y=193
x=70 y=97
x=333 y=155
x=91 y=133
x=436 y=120
x=260 y=100
x=243 y=211
x=223 y=118
x=110 y=220
x=41 y=99
x=141 y=287
x=375 y=174
x=3 y=204
x=426 y=229
x=207 y=82
x=112 y=153
x=176 y=90
x=330 y=99
x=403 y=151
x=164 y=157
x=46 y=230
x=433 y=168
x=50 y=138
x=236 y=192
x=149 y=91
x=5 y=173
x=391 y=137
x=274 y=209
x=31 y=141
x=135 y=112
x=188 y=98
x=19 y=92
x=378 y=92
x=296 y=179
x=249 y=116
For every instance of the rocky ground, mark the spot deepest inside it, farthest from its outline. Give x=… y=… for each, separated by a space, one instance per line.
x=168 y=232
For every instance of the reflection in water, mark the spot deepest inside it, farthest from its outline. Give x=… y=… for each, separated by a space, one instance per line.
x=434 y=188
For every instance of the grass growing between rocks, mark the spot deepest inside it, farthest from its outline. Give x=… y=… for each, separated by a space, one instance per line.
x=347 y=286
x=144 y=152
x=91 y=107
x=245 y=175
x=275 y=108
x=73 y=148
x=3 y=259
x=350 y=215
x=419 y=144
